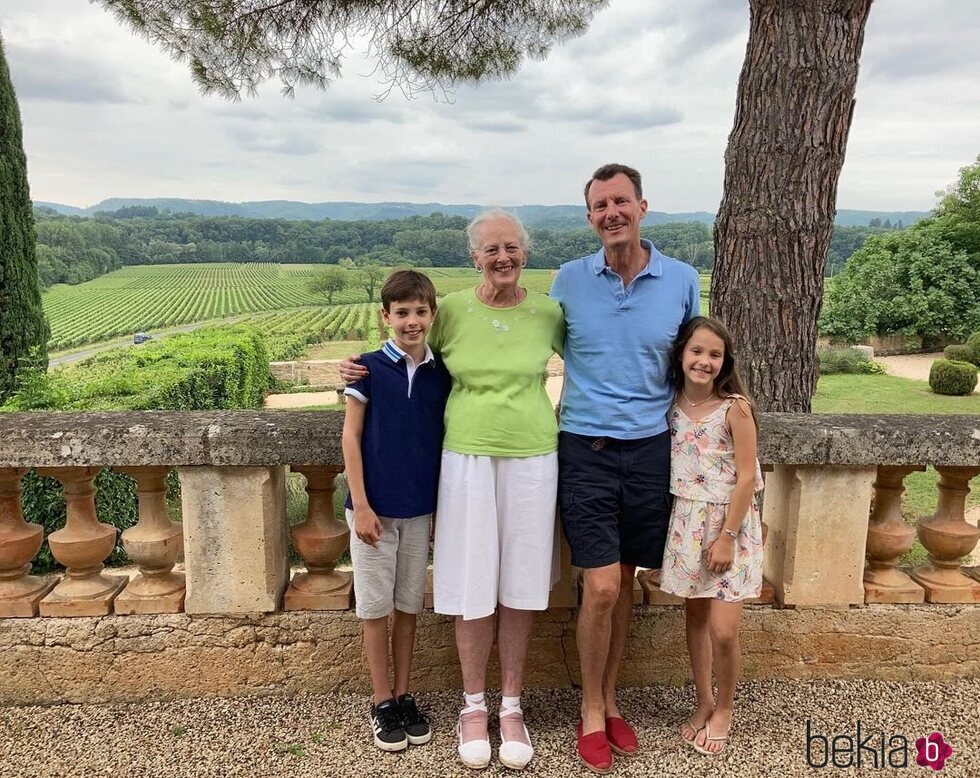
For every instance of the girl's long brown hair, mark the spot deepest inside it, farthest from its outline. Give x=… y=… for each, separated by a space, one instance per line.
x=728 y=382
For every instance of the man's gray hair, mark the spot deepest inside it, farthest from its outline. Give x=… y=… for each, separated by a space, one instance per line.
x=492 y=214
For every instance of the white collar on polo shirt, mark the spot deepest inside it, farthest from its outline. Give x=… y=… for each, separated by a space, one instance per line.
x=395 y=354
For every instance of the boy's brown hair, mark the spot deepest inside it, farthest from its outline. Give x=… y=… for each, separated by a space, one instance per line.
x=404 y=285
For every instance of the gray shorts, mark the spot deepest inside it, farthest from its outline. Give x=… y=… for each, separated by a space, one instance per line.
x=393 y=574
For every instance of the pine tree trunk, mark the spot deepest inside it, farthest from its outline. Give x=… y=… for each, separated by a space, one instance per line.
x=23 y=328
x=784 y=157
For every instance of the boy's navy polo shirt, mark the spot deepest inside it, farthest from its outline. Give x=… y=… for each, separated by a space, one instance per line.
x=401 y=443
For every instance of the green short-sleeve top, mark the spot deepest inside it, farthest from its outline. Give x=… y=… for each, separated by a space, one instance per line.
x=497 y=358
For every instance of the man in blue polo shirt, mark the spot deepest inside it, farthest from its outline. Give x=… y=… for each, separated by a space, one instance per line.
x=623 y=308
x=392 y=442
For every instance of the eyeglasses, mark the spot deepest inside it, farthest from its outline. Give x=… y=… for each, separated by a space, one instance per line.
x=512 y=250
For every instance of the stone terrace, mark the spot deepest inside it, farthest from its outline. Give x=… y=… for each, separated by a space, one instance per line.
x=235 y=624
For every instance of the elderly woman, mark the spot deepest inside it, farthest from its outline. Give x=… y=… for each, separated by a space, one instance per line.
x=495 y=532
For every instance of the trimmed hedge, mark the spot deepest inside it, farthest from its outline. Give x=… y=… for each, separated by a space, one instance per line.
x=215 y=368
x=832 y=361
x=958 y=353
x=952 y=378
x=973 y=343
x=218 y=367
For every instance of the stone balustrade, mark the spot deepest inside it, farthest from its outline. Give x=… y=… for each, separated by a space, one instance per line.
x=233 y=621
x=833 y=491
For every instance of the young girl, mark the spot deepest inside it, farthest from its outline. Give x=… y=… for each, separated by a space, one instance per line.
x=714 y=545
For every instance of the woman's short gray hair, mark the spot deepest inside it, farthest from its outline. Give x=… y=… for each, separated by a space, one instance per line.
x=492 y=214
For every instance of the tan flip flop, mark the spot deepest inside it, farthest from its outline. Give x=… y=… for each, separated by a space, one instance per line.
x=707 y=733
x=697 y=731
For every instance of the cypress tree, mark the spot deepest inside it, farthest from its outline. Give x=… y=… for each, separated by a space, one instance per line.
x=23 y=329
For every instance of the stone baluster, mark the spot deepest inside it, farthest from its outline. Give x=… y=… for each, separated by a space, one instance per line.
x=948 y=537
x=320 y=540
x=19 y=544
x=154 y=545
x=888 y=538
x=235 y=546
x=806 y=508
x=81 y=546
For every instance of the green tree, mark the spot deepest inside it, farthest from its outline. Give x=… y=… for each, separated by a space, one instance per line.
x=368 y=277
x=912 y=282
x=958 y=212
x=774 y=225
x=23 y=329
x=418 y=44
x=329 y=281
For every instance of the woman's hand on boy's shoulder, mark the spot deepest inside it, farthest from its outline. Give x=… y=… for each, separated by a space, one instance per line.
x=351 y=371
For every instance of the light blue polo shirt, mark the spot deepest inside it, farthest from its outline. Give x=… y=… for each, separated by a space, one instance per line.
x=618 y=342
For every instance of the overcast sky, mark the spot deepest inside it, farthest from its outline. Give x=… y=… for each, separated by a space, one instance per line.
x=652 y=84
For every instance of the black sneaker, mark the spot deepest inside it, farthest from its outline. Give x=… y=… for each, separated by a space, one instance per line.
x=386 y=719
x=415 y=723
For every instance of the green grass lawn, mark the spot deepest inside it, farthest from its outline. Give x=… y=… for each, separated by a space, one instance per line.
x=338 y=349
x=883 y=394
x=886 y=394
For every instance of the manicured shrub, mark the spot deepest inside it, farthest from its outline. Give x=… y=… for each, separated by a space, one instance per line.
x=958 y=353
x=833 y=361
x=952 y=378
x=973 y=343
x=214 y=368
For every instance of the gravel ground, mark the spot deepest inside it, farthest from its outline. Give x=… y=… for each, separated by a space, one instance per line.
x=328 y=735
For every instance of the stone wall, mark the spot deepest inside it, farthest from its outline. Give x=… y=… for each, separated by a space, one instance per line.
x=265 y=438
x=139 y=658
x=315 y=372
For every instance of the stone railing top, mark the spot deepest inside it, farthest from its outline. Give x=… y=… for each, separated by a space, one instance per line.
x=241 y=438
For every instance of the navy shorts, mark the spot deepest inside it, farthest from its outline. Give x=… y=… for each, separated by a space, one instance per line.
x=615 y=498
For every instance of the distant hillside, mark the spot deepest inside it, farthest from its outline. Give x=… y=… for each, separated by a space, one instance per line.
x=846 y=218
x=539 y=216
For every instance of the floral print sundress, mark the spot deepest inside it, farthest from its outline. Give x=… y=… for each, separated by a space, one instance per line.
x=702 y=477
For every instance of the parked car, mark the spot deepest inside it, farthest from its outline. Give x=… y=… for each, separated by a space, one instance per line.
x=141 y=337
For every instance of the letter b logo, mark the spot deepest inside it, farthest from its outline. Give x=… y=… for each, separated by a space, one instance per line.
x=817 y=748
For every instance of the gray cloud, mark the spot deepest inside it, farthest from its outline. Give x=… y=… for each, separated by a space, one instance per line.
x=496 y=124
x=922 y=54
x=511 y=107
x=703 y=25
x=620 y=117
x=275 y=140
x=348 y=109
x=421 y=177
x=45 y=74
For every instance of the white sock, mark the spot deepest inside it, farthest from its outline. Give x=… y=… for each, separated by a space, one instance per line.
x=510 y=705
x=474 y=700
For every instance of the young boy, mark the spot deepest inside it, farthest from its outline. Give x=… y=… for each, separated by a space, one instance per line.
x=392 y=447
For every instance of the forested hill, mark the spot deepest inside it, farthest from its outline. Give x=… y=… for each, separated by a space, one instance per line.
x=543 y=216
x=72 y=249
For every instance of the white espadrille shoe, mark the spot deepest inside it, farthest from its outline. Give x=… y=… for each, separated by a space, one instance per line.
x=475 y=754
x=513 y=753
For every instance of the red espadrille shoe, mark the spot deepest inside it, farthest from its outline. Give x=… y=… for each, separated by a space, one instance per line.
x=594 y=751
x=622 y=738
